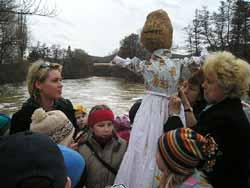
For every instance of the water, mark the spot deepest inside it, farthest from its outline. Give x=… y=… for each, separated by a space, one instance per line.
x=116 y=93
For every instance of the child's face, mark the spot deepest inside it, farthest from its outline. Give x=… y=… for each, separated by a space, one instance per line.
x=81 y=120
x=192 y=92
x=103 y=129
x=160 y=162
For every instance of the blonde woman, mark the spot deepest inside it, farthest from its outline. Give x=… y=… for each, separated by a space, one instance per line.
x=45 y=90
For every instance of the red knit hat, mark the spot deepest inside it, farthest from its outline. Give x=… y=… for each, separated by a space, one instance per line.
x=100 y=115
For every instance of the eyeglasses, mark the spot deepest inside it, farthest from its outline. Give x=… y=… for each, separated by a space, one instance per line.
x=44 y=65
x=48 y=65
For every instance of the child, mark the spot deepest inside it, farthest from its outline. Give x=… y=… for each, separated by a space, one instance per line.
x=81 y=119
x=103 y=150
x=161 y=75
x=192 y=97
x=122 y=126
x=54 y=124
x=81 y=116
x=179 y=154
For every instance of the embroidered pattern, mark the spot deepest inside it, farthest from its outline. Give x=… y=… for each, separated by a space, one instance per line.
x=61 y=132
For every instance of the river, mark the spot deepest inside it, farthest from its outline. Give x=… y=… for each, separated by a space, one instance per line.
x=118 y=94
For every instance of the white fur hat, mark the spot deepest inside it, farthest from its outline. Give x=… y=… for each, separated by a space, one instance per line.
x=54 y=124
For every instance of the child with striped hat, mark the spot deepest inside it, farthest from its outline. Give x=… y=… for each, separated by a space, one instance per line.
x=180 y=153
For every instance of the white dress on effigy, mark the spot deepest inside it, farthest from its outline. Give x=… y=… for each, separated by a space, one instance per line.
x=161 y=74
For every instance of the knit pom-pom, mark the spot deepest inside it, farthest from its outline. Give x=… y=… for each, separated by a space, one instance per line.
x=38 y=115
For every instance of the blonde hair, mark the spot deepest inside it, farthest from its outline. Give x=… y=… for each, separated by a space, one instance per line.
x=233 y=74
x=38 y=73
x=170 y=179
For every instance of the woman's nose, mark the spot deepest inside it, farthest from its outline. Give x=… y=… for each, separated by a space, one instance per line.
x=60 y=84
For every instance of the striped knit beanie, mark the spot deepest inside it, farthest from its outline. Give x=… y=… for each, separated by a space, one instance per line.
x=183 y=149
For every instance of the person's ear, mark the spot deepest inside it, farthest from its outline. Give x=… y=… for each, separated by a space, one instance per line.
x=37 y=84
x=68 y=183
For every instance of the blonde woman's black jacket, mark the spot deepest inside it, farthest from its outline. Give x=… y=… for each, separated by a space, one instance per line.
x=227 y=123
x=21 y=119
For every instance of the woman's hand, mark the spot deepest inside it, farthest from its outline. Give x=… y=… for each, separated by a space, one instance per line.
x=190 y=118
x=183 y=97
x=174 y=105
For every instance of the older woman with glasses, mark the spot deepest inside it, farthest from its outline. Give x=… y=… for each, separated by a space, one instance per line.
x=45 y=89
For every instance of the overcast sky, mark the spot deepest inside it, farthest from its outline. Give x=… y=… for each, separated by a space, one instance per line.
x=97 y=26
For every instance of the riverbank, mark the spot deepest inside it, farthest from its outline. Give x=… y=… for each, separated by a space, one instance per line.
x=16 y=73
x=77 y=68
x=13 y=73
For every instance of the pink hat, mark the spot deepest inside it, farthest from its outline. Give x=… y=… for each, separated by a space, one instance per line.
x=122 y=122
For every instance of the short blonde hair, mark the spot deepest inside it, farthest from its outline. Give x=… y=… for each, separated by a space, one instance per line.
x=39 y=73
x=233 y=74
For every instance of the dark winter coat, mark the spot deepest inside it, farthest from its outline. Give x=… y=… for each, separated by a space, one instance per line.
x=21 y=120
x=228 y=124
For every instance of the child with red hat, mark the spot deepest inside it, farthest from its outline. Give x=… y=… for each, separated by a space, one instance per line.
x=103 y=150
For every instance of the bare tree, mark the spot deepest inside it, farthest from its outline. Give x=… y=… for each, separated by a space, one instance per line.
x=226 y=29
x=7 y=31
x=130 y=47
x=14 y=28
x=32 y=7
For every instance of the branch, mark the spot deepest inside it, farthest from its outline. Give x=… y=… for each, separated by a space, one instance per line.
x=31 y=7
x=50 y=14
